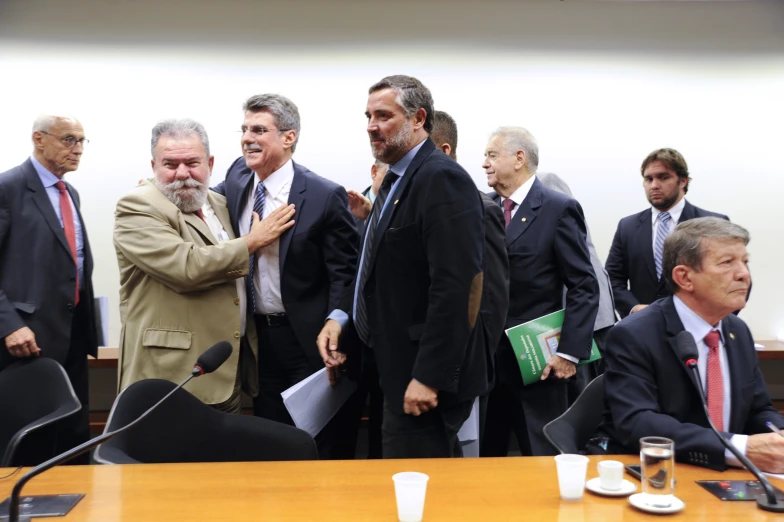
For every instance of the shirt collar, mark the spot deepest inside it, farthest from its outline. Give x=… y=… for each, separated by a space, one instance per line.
x=276 y=181
x=371 y=196
x=675 y=211
x=519 y=195
x=693 y=323
x=47 y=178
x=402 y=164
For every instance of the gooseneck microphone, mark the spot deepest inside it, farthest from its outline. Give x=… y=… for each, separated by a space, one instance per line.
x=207 y=362
x=687 y=352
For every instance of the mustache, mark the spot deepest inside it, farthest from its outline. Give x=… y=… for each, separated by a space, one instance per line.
x=251 y=146
x=182 y=183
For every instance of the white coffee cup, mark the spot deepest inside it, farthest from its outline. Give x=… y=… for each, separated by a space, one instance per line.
x=410 y=489
x=571 y=475
x=610 y=474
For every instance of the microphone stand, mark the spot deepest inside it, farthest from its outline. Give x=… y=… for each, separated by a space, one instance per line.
x=767 y=502
x=13 y=506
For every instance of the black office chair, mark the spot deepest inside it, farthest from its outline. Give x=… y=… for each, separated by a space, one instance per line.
x=35 y=395
x=184 y=429
x=570 y=432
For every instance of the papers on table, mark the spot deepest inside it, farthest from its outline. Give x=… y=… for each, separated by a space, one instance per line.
x=312 y=402
x=468 y=435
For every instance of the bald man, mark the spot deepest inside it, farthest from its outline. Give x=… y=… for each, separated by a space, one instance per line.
x=46 y=294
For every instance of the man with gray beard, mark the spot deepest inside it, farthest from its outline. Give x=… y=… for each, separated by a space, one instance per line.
x=182 y=272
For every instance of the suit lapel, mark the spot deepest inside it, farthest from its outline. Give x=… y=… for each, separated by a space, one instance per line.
x=222 y=213
x=737 y=369
x=644 y=237
x=200 y=226
x=244 y=184
x=526 y=214
x=41 y=200
x=299 y=187
x=674 y=327
x=688 y=213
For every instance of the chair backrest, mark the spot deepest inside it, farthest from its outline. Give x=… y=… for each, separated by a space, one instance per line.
x=184 y=429
x=36 y=396
x=570 y=432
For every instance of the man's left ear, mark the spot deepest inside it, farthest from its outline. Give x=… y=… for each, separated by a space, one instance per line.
x=289 y=137
x=420 y=116
x=211 y=162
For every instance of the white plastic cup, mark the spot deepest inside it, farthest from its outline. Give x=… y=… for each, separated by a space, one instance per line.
x=571 y=475
x=410 y=489
x=610 y=474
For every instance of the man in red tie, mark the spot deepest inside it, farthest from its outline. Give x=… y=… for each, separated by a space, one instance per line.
x=648 y=388
x=46 y=294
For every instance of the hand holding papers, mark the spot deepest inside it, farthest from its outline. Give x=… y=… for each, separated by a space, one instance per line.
x=313 y=402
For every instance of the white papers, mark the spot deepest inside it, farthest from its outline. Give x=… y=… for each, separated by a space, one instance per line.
x=468 y=435
x=312 y=402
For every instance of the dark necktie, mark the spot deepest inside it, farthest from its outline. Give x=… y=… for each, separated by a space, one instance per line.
x=258 y=208
x=360 y=318
x=715 y=380
x=508 y=206
x=69 y=229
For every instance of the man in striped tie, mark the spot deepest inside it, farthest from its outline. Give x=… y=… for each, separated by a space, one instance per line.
x=648 y=388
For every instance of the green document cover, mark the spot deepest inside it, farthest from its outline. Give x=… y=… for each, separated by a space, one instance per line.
x=536 y=341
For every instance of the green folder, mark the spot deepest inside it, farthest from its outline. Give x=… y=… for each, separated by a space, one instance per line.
x=536 y=341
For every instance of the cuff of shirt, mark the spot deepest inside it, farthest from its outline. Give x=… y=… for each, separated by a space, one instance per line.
x=341 y=317
x=739 y=441
x=569 y=358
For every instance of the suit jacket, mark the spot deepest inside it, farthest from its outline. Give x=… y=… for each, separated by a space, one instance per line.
x=360 y=223
x=649 y=391
x=178 y=294
x=424 y=284
x=605 y=316
x=37 y=270
x=547 y=250
x=630 y=263
x=318 y=255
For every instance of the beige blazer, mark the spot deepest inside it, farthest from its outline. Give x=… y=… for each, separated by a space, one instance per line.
x=178 y=296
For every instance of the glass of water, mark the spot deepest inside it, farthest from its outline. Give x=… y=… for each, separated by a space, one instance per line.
x=657 y=459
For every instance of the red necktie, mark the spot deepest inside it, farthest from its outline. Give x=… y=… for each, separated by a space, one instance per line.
x=69 y=229
x=200 y=214
x=508 y=206
x=715 y=381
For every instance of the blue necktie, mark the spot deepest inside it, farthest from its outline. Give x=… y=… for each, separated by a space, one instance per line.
x=258 y=208
x=661 y=234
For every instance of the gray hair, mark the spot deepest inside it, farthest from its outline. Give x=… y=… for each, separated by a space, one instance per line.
x=175 y=128
x=412 y=95
x=518 y=138
x=380 y=163
x=282 y=109
x=685 y=246
x=45 y=122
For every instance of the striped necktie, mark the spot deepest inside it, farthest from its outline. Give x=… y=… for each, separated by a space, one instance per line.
x=258 y=208
x=661 y=234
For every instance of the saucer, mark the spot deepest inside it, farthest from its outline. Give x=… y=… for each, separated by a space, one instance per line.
x=595 y=486
x=637 y=501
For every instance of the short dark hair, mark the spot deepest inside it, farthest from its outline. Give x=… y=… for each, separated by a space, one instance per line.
x=444 y=131
x=673 y=160
x=412 y=95
x=685 y=247
x=282 y=109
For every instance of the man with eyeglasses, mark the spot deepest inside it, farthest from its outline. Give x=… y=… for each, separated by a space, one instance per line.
x=300 y=280
x=46 y=293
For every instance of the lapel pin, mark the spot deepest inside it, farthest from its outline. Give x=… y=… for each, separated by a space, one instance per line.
x=396 y=201
x=523 y=220
x=732 y=335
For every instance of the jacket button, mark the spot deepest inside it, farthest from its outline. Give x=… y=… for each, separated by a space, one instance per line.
x=236 y=300
x=69 y=306
x=236 y=335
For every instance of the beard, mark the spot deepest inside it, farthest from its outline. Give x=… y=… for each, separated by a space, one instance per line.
x=395 y=147
x=666 y=203
x=187 y=201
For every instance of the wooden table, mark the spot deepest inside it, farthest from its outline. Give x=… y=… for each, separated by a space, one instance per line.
x=773 y=350
x=459 y=489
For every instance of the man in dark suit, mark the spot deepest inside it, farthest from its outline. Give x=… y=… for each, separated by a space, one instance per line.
x=304 y=277
x=546 y=244
x=419 y=285
x=634 y=262
x=46 y=293
x=649 y=391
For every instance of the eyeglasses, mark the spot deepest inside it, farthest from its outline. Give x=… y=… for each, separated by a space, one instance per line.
x=256 y=130
x=68 y=141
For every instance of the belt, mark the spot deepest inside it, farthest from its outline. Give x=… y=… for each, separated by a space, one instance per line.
x=272 y=320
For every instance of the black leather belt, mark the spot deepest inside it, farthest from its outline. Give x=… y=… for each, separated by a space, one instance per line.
x=272 y=320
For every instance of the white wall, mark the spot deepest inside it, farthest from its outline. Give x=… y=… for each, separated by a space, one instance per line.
x=600 y=84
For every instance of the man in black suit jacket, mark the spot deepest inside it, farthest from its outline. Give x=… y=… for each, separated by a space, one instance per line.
x=304 y=277
x=46 y=293
x=546 y=244
x=631 y=263
x=419 y=286
x=649 y=391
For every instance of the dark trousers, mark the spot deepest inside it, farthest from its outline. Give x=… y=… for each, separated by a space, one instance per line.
x=430 y=435
x=588 y=372
x=282 y=364
x=525 y=411
x=368 y=394
x=76 y=430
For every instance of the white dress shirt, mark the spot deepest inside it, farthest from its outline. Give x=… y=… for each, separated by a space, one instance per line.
x=675 y=216
x=266 y=284
x=699 y=328
x=222 y=236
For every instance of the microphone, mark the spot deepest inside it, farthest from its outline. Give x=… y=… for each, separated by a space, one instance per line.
x=686 y=349
x=208 y=362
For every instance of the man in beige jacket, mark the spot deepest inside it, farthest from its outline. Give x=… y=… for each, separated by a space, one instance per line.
x=182 y=286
